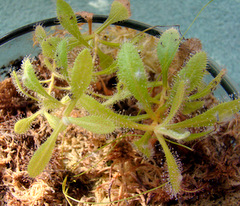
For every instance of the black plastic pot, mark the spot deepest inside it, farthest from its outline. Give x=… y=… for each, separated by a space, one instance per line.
x=18 y=43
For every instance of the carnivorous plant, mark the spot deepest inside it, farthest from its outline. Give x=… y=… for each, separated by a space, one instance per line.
x=183 y=93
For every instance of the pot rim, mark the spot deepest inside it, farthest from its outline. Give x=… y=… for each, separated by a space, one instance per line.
x=96 y=19
x=212 y=67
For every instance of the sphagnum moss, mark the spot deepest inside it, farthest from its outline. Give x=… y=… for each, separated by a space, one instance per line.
x=160 y=101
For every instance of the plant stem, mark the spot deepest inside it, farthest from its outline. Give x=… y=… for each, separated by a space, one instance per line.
x=51 y=85
x=70 y=107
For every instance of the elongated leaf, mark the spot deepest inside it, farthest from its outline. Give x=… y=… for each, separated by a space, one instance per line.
x=171 y=133
x=190 y=107
x=131 y=72
x=120 y=10
x=94 y=124
x=109 y=70
x=31 y=82
x=166 y=50
x=68 y=20
x=51 y=104
x=195 y=136
x=210 y=87
x=40 y=33
x=220 y=113
x=95 y=108
x=24 y=124
x=175 y=176
x=52 y=120
x=49 y=46
x=61 y=57
x=177 y=101
x=119 y=96
x=43 y=155
x=81 y=73
x=105 y=60
x=144 y=146
x=18 y=85
x=49 y=65
x=194 y=70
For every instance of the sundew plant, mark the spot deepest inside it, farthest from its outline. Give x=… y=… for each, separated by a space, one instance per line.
x=182 y=94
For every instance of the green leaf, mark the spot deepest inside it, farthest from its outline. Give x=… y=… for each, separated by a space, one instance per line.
x=49 y=104
x=105 y=60
x=97 y=109
x=72 y=43
x=166 y=50
x=190 y=107
x=81 y=73
x=194 y=70
x=93 y=124
x=68 y=20
x=109 y=70
x=175 y=176
x=171 y=133
x=119 y=96
x=52 y=120
x=40 y=33
x=18 y=85
x=132 y=73
x=177 y=102
x=218 y=113
x=43 y=155
x=195 y=136
x=120 y=10
x=143 y=145
x=24 y=124
x=210 y=87
x=49 y=46
x=49 y=65
x=31 y=82
x=66 y=99
x=61 y=57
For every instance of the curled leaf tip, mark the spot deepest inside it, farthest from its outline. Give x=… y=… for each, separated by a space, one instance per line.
x=24 y=124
